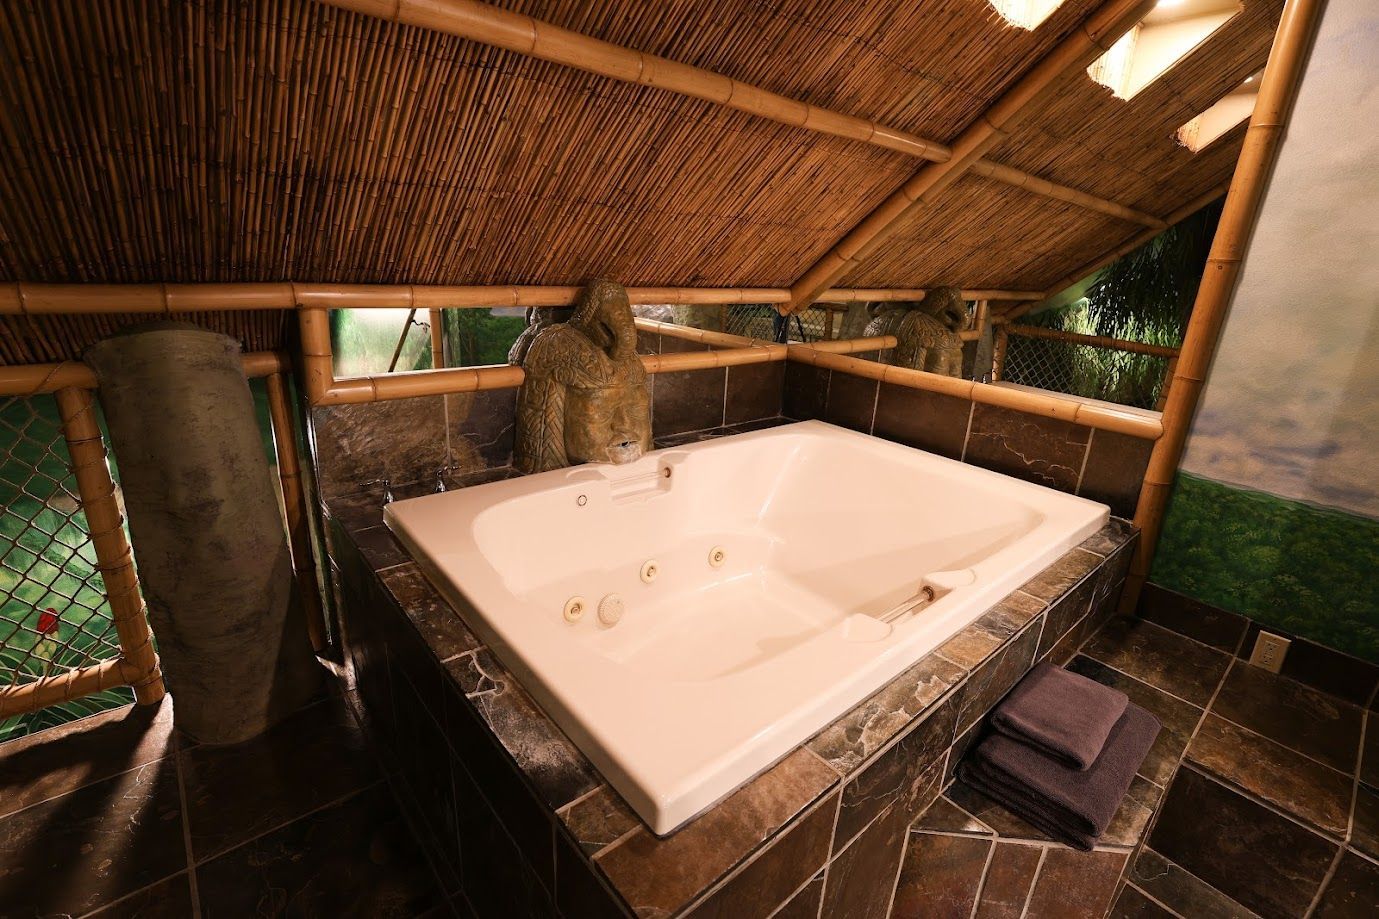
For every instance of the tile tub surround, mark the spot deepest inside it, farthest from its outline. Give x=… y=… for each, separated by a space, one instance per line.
x=1100 y=465
x=408 y=440
x=508 y=807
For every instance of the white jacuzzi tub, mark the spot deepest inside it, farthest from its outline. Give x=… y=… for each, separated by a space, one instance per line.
x=722 y=664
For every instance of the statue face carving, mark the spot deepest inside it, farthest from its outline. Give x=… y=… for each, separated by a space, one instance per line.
x=584 y=397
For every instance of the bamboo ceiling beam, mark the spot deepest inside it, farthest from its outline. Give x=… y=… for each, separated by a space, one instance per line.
x=1277 y=92
x=33 y=299
x=1094 y=36
x=1101 y=261
x=526 y=35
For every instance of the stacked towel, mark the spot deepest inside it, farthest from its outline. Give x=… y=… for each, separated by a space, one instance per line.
x=1063 y=714
x=1048 y=726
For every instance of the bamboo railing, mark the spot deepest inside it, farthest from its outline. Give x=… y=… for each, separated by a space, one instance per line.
x=1277 y=91
x=1092 y=341
x=526 y=35
x=31 y=299
x=72 y=383
x=1101 y=417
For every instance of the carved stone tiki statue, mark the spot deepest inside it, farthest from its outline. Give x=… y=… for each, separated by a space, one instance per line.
x=926 y=332
x=584 y=398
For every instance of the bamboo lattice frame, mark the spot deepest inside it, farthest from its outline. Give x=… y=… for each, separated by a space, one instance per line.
x=72 y=384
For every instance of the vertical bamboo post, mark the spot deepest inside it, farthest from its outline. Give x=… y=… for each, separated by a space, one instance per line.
x=295 y=511
x=1277 y=90
x=828 y=323
x=114 y=557
x=437 y=338
x=723 y=318
x=402 y=339
x=998 y=353
x=1167 y=384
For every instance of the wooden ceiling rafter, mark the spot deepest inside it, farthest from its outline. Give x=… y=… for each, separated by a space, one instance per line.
x=1094 y=36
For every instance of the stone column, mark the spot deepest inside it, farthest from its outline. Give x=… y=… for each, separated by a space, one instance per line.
x=206 y=531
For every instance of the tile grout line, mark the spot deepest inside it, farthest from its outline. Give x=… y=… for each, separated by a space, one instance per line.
x=286 y=823
x=967 y=433
x=1082 y=470
x=186 y=824
x=1155 y=900
x=981 y=881
x=1033 y=883
x=1326 y=882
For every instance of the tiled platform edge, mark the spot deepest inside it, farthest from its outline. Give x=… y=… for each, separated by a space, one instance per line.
x=520 y=823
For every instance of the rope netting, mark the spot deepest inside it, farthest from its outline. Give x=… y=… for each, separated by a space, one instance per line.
x=54 y=616
x=1122 y=377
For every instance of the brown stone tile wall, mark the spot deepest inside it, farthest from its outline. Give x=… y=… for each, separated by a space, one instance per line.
x=1100 y=465
x=408 y=440
x=525 y=826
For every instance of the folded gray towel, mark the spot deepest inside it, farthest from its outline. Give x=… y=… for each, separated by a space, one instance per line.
x=1064 y=714
x=1071 y=805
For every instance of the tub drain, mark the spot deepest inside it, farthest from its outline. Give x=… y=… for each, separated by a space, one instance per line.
x=717 y=556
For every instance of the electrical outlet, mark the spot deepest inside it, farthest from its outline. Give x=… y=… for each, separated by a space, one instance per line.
x=1269 y=651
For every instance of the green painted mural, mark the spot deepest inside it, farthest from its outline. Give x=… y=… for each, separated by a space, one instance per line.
x=1277 y=513
x=1307 y=570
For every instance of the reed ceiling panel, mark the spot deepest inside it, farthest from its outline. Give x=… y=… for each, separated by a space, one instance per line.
x=986 y=234
x=275 y=139
x=1128 y=150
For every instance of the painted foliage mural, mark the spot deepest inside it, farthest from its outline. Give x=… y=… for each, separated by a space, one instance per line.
x=1276 y=514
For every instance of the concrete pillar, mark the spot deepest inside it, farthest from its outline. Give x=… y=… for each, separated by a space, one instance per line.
x=204 y=523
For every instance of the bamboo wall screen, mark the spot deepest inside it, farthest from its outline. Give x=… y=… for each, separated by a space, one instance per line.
x=54 y=614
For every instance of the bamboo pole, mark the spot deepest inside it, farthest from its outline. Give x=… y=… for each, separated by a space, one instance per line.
x=1277 y=91
x=437 y=319
x=1167 y=384
x=1101 y=261
x=402 y=339
x=1039 y=186
x=853 y=345
x=63 y=687
x=114 y=557
x=32 y=379
x=1093 y=37
x=1092 y=341
x=998 y=353
x=295 y=510
x=33 y=299
x=522 y=34
x=1101 y=417
x=323 y=388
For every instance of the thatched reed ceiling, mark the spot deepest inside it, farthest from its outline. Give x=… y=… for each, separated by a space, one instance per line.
x=284 y=139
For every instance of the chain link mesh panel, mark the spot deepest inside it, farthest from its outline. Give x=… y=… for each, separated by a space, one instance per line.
x=754 y=321
x=1082 y=370
x=53 y=611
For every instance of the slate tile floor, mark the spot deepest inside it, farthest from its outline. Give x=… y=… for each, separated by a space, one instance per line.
x=1269 y=812
x=1259 y=799
x=120 y=815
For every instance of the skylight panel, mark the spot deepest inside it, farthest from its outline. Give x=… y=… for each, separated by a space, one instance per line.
x=1164 y=37
x=1026 y=14
x=1228 y=112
